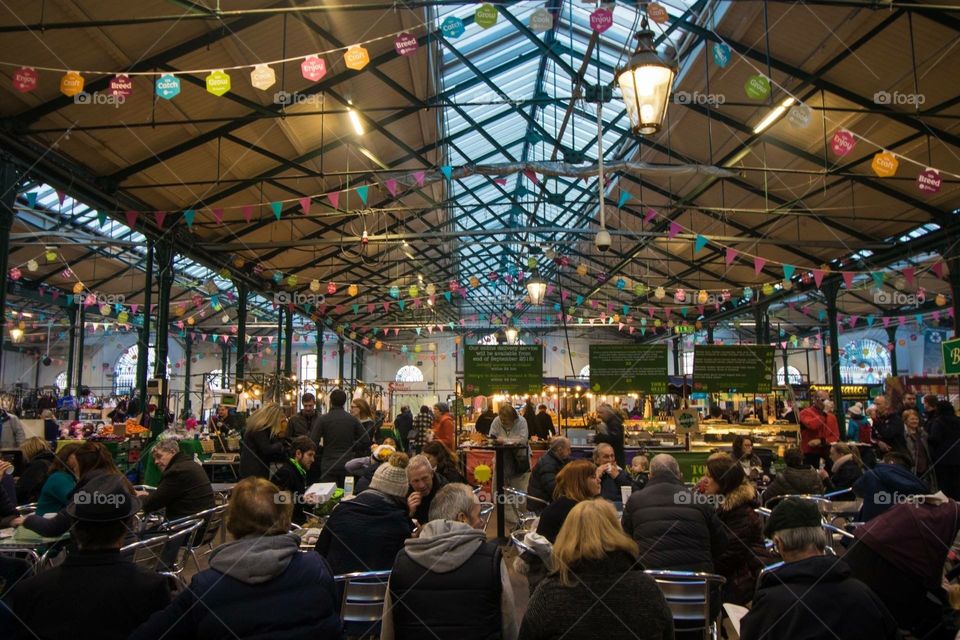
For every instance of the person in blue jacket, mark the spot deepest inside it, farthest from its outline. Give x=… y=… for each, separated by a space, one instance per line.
x=890 y=482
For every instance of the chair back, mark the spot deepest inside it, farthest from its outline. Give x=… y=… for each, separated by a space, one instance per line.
x=690 y=597
x=25 y=510
x=211 y=519
x=147 y=553
x=529 y=502
x=486 y=510
x=364 y=593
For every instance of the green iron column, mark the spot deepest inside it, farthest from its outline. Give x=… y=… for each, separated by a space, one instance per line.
x=952 y=258
x=81 y=336
x=319 y=350
x=340 y=358
x=9 y=182
x=143 y=339
x=187 y=355
x=892 y=339
x=164 y=255
x=830 y=292
x=71 y=346
x=280 y=310
x=288 y=345
x=241 y=330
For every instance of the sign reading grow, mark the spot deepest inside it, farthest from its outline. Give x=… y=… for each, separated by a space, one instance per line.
x=626 y=368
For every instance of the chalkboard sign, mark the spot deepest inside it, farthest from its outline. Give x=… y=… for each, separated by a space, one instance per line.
x=626 y=368
x=951 y=356
x=733 y=368
x=489 y=369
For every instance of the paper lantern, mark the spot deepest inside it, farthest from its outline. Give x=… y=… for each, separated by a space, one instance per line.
x=940 y=300
x=474 y=281
x=78 y=287
x=292 y=280
x=32 y=266
x=394 y=292
x=377 y=345
x=122 y=317
x=639 y=289
x=414 y=291
x=702 y=296
x=417 y=348
x=482 y=473
x=582 y=269
x=278 y=276
x=747 y=294
x=353 y=290
x=787 y=285
x=431 y=289
x=454 y=286
x=225 y=318
x=767 y=289
x=659 y=293
x=15 y=273
x=314 y=285
x=191 y=321
x=658 y=323
x=331 y=288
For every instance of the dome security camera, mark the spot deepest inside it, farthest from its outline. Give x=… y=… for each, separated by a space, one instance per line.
x=603 y=240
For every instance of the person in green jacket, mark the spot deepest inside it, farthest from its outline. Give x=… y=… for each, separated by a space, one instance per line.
x=60 y=481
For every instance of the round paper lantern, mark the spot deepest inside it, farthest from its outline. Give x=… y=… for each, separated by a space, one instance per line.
x=680 y=295
x=940 y=300
x=353 y=290
x=431 y=289
x=702 y=296
x=902 y=342
x=15 y=273
x=50 y=255
x=377 y=345
x=474 y=281
x=123 y=316
x=78 y=287
x=314 y=285
x=747 y=294
x=191 y=321
x=767 y=289
x=105 y=309
x=639 y=289
x=225 y=318
x=394 y=292
x=482 y=473
x=621 y=284
x=582 y=269
x=239 y=263
x=331 y=288
x=787 y=285
x=32 y=265
x=292 y=280
x=657 y=323
x=278 y=276
x=417 y=348
x=659 y=293
x=413 y=291
x=454 y=286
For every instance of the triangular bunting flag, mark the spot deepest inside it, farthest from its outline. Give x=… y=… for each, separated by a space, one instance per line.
x=649 y=215
x=102 y=218
x=848 y=278
x=531 y=175
x=61 y=196
x=188 y=217
x=277 y=209
x=447 y=171
x=32 y=199
x=758 y=264
x=788 y=271
x=419 y=177
x=886 y=322
x=878 y=278
x=131 y=217
x=908 y=274
x=870 y=320
x=362 y=192
x=448 y=296
x=305 y=206
x=391 y=185
x=730 y=256
x=159 y=217
x=386 y=307
x=624 y=196
x=334 y=198
x=818 y=277
x=699 y=243
x=674 y=229
x=248 y=213
x=938 y=269
x=217 y=215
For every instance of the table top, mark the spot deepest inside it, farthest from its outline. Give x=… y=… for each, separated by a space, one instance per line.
x=223 y=487
x=23 y=538
x=494 y=447
x=842 y=506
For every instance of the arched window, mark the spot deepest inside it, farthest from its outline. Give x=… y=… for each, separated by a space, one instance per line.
x=409 y=373
x=585 y=372
x=125 y=371
x=61 y=381
x=864 y=361
x=795 y=377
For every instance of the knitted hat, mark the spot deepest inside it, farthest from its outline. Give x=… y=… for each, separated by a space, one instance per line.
x=856 y=409
x=391 y=477
x=792 y=513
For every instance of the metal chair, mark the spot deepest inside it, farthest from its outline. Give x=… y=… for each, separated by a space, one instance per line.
x=364 y=593
x=146 y=553
x=818 y=500
x=178 y=539
x=25 y=510
x=524 y=515
x=144 y=487
x=212 y=520
x=486 y=510
x=690 y=596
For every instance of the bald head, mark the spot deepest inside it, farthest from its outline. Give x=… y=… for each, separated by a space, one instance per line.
x=665 y=464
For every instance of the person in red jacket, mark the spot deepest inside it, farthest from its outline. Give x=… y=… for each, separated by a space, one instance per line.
x=443 y=425
x=818 y=430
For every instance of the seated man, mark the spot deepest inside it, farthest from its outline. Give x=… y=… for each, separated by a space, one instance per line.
x=612 y=477
x=887 y=484
x=424 y=484
x=184 y=488
x=543 y=478
x=98 y=593
x=292 y=474
x=811 y=595
x=673 y=529
x=450 y=582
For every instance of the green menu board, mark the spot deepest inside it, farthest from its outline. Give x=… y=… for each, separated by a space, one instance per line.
x=625 y=368
x=742 y=368
x=506 y=368
x=951 y=356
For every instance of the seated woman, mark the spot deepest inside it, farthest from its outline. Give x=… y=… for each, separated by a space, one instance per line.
x=259 y=585
x=845 y=471
x=798 y=478
x=365 y=534
x=444 y=462
x=93 y=460
x=576 y=482
x=61 y=479
x=599 y=587
x=745 y=554
x=38 y=458
x=743 y=453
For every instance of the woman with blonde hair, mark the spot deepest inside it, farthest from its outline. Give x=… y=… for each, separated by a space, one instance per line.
x=262 y=442
x=576 y=482
x=598 y=584
x=38 y=458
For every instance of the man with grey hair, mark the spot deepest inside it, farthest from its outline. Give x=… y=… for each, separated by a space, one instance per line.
x=424 y=485
x=811 y=595
x=184 y=488
x=543 y=478
x=674 y=528
x=449 y=580
x=612 y=477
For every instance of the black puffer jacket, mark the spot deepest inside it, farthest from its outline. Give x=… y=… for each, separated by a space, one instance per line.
x=794 y=482
x=675 y=529
x=33 y=476
x=944 y=440
x=543 y=479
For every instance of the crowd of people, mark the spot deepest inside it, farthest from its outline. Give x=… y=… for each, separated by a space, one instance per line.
x=602 y=525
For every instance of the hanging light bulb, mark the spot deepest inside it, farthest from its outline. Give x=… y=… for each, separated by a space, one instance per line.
x=365 y=238
x=646 y=82
x=536 y=289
